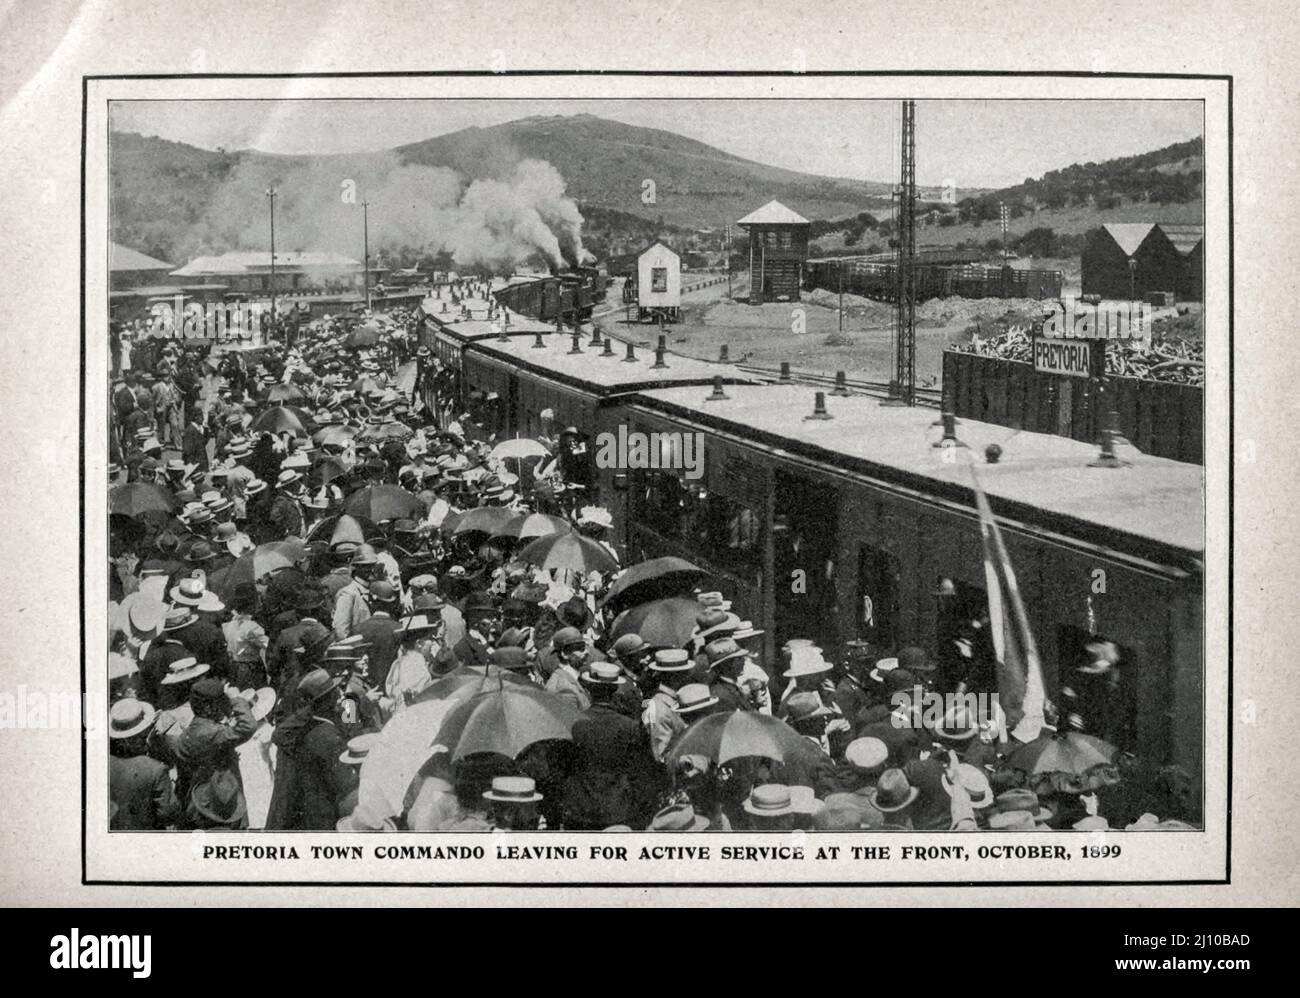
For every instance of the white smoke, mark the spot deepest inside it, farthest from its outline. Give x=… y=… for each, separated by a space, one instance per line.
x=489 y=224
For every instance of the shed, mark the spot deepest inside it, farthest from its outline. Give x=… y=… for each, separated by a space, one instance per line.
x=658 y=283
x=1127 y=260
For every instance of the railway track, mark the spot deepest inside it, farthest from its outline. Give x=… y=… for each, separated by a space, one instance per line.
x=928 y=397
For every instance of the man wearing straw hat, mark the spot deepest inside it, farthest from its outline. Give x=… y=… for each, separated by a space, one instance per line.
x=140 y=786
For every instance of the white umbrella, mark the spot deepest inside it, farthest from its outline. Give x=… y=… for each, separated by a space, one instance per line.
x=404 y=745
x=521 y=449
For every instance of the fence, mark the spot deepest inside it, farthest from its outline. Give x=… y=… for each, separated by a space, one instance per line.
x=1159 y=418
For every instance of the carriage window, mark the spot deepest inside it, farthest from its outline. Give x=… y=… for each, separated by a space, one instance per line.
x=658 y=278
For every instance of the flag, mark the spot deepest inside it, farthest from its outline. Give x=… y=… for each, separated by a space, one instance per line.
x=1019 y=671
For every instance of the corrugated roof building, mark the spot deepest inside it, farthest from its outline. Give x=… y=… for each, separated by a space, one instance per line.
x=1128 y=260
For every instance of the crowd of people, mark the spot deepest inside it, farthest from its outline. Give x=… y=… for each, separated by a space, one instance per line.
x=314 y=551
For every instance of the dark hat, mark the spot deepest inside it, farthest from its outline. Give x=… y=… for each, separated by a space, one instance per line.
x=513 y=637
x=915 y=660
x=509 y=657
x=723 y=650
x=629 y=645
x=567 y=637
x=803 y=706
x=479 y=603
x=417 y=626
x=428 y=601
x=201 y=551
x=893 y=791
x=220 y=800
x=383 y=591
x=309 y=599
x=574 y=612
x=317 y=683
x=209 y=688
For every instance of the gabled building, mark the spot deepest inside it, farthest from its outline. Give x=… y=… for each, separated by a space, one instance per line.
x=249 y=271
x=128 y=268
x=778 y=249
x=1128 y=260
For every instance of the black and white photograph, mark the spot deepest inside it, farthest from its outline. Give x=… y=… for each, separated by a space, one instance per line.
x=768 y=464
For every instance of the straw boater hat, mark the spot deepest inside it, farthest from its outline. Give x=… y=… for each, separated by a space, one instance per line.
x=287 y=477
x=603 y=674
x=693 y=697
x=358 y=748
x=189 y=591
x=183 y=670
x=678 y=818
x=714 y=600
x=672 y=660
x=254 y=487
x=260 y=701
x=883 y=666
x=975 y=783
x=513 y=790
x=178 y=617
x=129 y=717
x=806 y=661
x=866 y=753
x=769 y=800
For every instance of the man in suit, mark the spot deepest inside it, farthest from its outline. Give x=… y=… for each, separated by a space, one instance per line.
x=140 y=786
x=194 y=441
x=672 y=667
x=571 y=654
x=351 y=606
x=614 y=778
x=475 y=648
x=307 y=632
x=726 y=661
x=312 y=784
x=220 y=724
x=379 y=630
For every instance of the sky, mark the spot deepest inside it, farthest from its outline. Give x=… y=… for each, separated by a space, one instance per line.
x=973 y=143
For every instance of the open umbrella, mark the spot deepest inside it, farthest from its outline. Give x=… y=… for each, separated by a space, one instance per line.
x=265 y=559
x=385 y=431
x=279 y=419
x=484 y=520
x=570 y=551
x=326 y=469
x=285 y=393
x=362 y=336
x=135 y=498
x=404 y=745
x=521 y=449
x=343 y=529
x=737 y=733
x=1071 y=753
x=657 y=578
x=334 y=436
x=526 y=526
x=382 y=502
x=506 y=721
x=469 y=681
x=665 y=623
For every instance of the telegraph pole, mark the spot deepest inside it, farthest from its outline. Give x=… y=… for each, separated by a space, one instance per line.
x=365 y=235
x=903 y=387
x=271 y=195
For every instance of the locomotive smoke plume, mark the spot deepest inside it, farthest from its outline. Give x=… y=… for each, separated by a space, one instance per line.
x=493 y=224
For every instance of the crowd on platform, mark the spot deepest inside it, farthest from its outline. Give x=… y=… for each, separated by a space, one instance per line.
x=337 y=602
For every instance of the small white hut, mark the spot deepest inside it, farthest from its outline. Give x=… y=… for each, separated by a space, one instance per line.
x=658 y=284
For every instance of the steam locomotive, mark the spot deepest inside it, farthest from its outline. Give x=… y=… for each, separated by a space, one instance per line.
x=571 y=294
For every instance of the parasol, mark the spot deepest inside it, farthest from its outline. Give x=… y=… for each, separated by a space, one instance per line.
x=484 y=520
x=570 y=551
x=655 y=579
x=521 y=449
x=506 y=721
x=526 y=526
x=281 y=419
x=265 y=559
x=403 y=746
x=383 y=502
x=737 y=733
x=135 y=498
x=1072 y=753
x=664 y=623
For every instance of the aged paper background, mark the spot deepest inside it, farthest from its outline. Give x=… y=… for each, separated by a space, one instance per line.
x=48 y=49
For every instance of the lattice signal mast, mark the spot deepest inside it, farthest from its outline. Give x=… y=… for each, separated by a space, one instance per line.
x=904 y=383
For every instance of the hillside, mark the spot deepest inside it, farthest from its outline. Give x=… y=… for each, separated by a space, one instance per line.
x=606 y=163
x=1164 y=184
